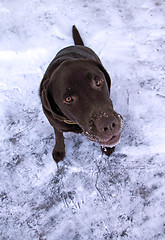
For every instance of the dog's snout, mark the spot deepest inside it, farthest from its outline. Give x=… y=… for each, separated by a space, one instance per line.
x=106 y=125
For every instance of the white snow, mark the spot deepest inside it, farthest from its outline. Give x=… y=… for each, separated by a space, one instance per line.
x=87 y=196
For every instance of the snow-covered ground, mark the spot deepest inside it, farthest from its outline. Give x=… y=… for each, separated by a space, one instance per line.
x=88 y=196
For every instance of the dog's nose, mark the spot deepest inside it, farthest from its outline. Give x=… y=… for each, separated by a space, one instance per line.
x=106 y=125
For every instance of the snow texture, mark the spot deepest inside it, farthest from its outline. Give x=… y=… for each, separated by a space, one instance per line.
x=88 y=195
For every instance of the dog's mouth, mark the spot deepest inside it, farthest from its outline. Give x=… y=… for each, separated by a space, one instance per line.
x=111 y=142
x=104 y=139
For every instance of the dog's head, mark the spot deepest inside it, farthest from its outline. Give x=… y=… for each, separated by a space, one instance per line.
x=80 y=89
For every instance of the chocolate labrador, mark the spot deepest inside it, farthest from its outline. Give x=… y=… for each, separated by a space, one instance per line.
x=75 y=94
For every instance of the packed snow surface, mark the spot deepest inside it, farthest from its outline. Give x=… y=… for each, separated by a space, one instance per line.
x=88 y=196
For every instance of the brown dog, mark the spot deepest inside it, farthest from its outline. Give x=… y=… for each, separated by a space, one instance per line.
x=75 y=97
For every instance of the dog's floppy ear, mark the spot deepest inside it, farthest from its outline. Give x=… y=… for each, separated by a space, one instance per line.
x=49 y=106
x=107 y=77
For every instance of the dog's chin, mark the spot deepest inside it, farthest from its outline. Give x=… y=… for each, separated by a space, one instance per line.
x=111 y=142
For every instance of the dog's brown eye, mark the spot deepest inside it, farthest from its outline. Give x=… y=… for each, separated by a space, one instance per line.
x=98 y=82
x=69 y=99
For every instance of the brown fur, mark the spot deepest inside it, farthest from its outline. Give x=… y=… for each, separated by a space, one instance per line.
x=77 y=74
